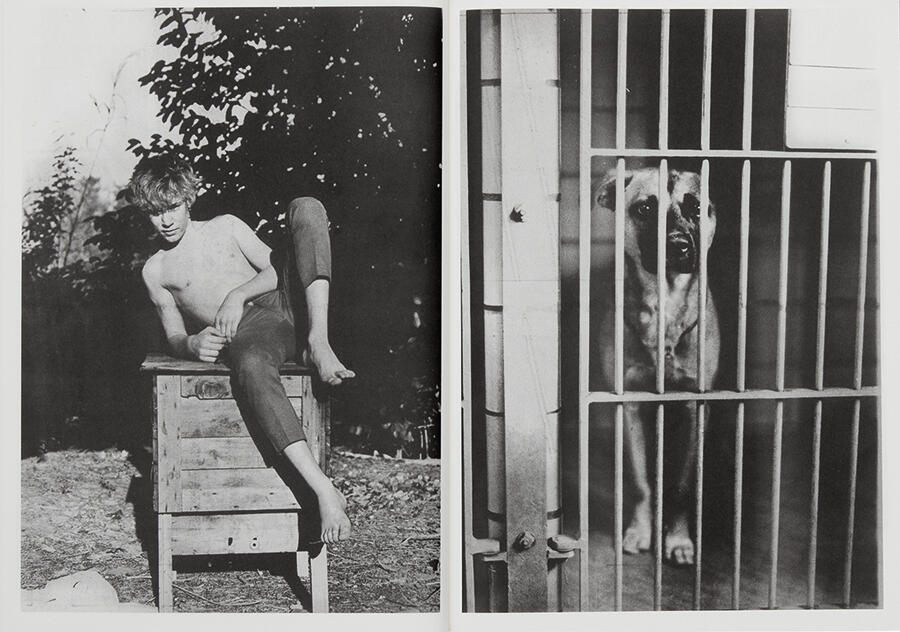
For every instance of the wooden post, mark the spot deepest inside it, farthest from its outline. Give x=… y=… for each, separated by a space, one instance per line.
x=530 y=228
x=318 y=580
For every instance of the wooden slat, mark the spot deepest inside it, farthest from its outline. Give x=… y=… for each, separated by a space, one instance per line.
x=216 y=453
x=749 y=35
x=621 y=79
x=315 y=417
x=166 y=457
x=158 y=363
x=222 y=418
x=605 y=152
x=706 y=93
x=235 y=533
x=219 y=386
x=235 y=490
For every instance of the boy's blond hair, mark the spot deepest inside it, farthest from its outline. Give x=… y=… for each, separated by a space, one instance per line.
x=161 y=182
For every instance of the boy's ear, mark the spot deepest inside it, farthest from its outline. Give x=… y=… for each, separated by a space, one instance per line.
x=605 y=192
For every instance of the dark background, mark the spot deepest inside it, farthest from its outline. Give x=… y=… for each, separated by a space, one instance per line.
x=342 y=104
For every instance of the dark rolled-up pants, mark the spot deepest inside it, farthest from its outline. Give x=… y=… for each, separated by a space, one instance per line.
x=266 y=336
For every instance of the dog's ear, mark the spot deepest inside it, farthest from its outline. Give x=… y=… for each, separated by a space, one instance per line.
x=605 y=192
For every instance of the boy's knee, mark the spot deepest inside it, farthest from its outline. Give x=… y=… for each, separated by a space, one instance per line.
x=254 y=366
x=306 y=211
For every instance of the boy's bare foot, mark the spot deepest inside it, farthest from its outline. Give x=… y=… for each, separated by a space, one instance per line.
x=331 y=370
x=333 y=512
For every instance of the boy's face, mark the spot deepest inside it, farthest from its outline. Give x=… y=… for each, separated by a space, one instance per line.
x=171 y=222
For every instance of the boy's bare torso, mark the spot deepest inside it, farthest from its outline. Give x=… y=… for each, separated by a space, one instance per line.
x=203 y=268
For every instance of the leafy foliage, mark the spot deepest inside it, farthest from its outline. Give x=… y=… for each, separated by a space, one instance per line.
x=341 y=104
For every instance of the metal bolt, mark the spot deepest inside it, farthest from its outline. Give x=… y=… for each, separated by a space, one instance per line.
x=525 y=541
x=517 y=214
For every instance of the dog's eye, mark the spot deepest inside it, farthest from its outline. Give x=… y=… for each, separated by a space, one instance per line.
x=645 y=209
x=690 y=206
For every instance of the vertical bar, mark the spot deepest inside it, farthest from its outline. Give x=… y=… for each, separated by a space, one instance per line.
x=465 y=303
x=698 y=561
x=741 y=383
x=823 y=274
x=814 y=507
x=776 y=503
x=658 y=511
x=779 y=376
x=749 y=34
x=707 y=79
x=863 y=261
x=738 y=505
x=662 y=198
x=584 y=275
x=702 y=281
x=820 y=365
x=783 y=273
x=621 y=78
x=662 y=284
x=857 y=376
x=620 y=275
x=664 y=80
x=617 y=528
x=742 y=283
x=851 y=512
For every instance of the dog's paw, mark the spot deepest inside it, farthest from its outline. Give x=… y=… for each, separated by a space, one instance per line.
x=636 y=539
x=679 y=548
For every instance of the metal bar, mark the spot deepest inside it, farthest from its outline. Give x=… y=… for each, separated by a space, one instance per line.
x=466 y=304
x=783 y=273
x=814 y=507
x=742 y=283
x=701 y=308
x=738 y=505
x=664 y=80
x=607 y=152
x=620 y=276
x=851 y=510
x=658 y=511
x=776 y=503
x=749 y=34
x=698 y=511
x=617 y=528
x=661 y=281
x=823 y=275
x=584 y=277
x=707 y=79
x=605 y=397
x=621 y=78
x=863 y=262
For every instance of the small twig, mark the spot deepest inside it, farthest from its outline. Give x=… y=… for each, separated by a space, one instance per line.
x=420 y=537
x=144 y=576
x=408 y=604
x=216 y=603
x=387 y=568
x=436 y=588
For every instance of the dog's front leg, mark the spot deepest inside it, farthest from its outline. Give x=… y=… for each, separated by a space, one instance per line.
x=679 y=548
x=638 y=534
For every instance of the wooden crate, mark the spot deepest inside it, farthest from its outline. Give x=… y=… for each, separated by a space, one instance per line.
x=215 y=489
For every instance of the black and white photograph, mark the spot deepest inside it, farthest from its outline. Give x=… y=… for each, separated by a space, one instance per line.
x=231 y=309
x=671 y=364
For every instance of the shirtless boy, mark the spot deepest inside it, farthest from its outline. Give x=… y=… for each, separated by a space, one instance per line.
x=217 y=277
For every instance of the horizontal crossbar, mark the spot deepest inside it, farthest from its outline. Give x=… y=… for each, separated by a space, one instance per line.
x=730 y=153
x=604 y=397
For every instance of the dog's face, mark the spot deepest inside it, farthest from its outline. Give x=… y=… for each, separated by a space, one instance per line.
x=681 y=201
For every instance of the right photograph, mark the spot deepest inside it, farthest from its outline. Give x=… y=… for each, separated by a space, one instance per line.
x=671 y=361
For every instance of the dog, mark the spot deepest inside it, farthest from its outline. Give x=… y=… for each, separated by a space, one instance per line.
x=681 y=203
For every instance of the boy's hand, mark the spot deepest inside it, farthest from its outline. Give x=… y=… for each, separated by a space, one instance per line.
x=229 y=315
x=206 y=345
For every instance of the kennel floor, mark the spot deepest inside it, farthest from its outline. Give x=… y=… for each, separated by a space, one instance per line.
x=717 y=566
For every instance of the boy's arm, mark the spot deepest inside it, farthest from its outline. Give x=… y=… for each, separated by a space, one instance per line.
x=266 y=280
x=204 y=346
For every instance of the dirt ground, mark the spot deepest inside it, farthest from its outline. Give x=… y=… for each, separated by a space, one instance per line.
x=92 y=510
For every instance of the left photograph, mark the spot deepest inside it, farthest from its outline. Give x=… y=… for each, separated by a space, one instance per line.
x=231 y=233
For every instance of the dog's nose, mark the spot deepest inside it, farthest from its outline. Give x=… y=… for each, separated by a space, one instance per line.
x=680 y=253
